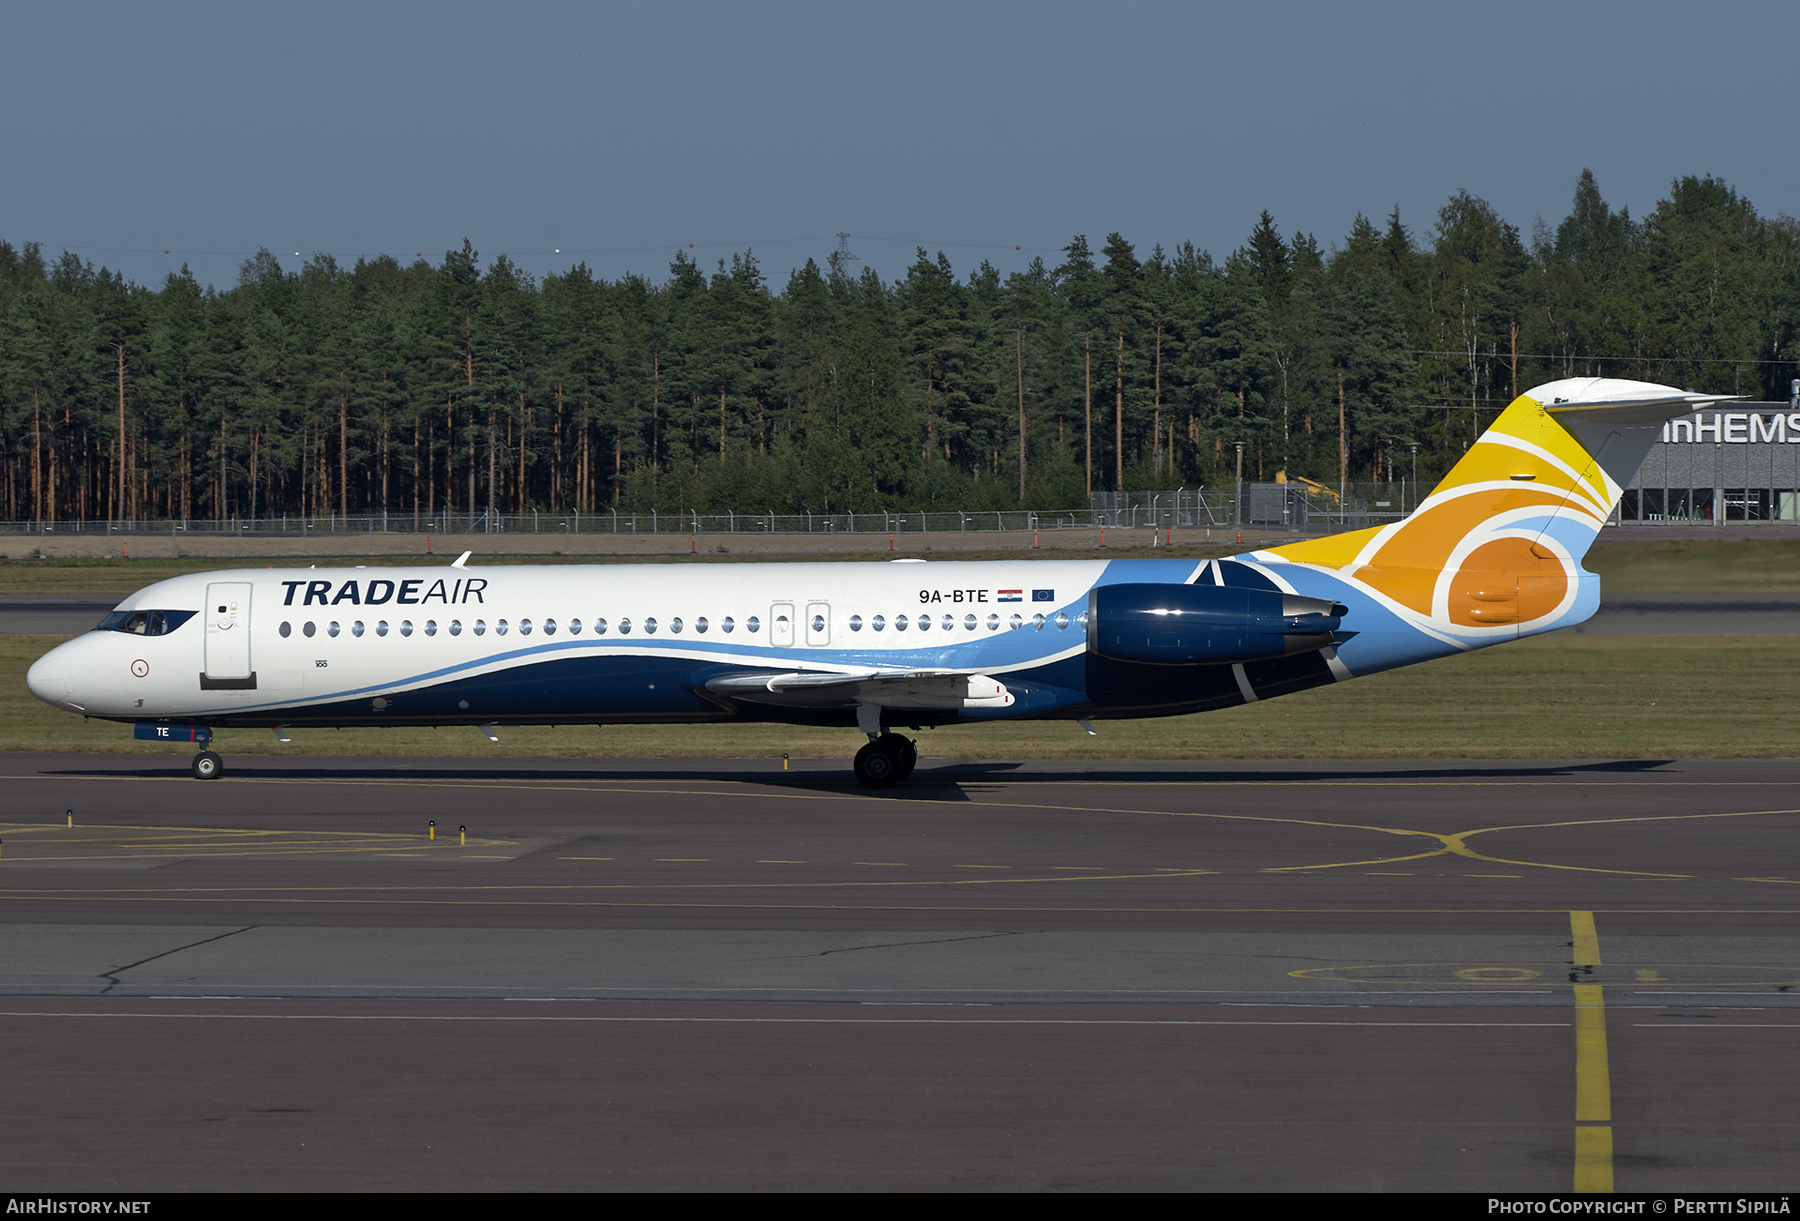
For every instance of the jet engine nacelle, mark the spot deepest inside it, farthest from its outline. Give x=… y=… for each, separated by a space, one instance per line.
x=1206 y=624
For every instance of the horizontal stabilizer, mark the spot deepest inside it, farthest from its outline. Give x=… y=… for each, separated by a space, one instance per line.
x=1615 y=421
x=1625 y=401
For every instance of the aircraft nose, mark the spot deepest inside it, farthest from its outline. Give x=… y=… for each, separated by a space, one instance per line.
x=48 y=678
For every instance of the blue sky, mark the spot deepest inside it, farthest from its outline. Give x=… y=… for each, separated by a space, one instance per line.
x=616 y=133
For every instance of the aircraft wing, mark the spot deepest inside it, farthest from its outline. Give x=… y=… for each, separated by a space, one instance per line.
x=881 y=688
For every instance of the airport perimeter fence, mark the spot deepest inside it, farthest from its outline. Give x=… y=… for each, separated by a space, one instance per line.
x=1263 y=506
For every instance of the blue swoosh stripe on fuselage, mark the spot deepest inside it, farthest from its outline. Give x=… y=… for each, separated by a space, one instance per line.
x=623 y=686
x=1007 y=651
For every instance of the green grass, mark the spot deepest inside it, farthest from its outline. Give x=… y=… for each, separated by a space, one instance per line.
x=1697 y=566
x=1676 y=566
x=1586 y=697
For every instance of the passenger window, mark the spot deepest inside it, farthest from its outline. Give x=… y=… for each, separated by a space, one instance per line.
x=878 y=622
x=356 y=629
x=727 y=624
x=753 y=625
x=332 y=629
x=406 y=627
x=456 y=627
x=649 y=626
x=969 y=622
x=1015 y=623
x=574 y=627
x=1062 y=621
x=900 y=622
x=624 y=627
x=1037 y=622
x=524 y=627
x=287 y=629
x=431 y=627
x=549 y=627
x=481 y=627
x=856 y=623
x=599 y=627
x=499 y=627
x=993 y=623
x=700 y=625
x=381 y=628
x=675 y=625
x=307 y=629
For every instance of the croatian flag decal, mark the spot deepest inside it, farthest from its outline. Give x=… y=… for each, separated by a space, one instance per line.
x=1012 y=595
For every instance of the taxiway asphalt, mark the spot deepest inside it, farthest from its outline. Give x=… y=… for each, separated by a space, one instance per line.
x=1480 y=976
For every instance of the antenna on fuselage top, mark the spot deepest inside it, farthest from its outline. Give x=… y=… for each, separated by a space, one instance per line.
x=461 y=560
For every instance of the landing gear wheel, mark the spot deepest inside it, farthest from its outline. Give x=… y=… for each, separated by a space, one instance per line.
x=878 y=765
x=909 y=754
x=208 y=766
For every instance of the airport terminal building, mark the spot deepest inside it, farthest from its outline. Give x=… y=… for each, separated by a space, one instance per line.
x=1735 y=462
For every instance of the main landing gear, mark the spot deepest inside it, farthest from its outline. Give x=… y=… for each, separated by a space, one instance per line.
x=208 y=766
x=886 y=761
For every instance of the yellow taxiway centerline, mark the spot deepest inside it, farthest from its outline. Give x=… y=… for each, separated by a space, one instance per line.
x=1593 y=1081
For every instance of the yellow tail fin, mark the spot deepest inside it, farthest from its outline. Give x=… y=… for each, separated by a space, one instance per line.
x=1500 y=540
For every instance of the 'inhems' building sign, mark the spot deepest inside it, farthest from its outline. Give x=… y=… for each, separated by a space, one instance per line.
x=1738 y=465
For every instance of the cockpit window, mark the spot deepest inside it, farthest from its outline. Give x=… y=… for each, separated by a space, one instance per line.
x=144 y=622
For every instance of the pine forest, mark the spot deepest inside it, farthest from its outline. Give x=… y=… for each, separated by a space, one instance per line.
x=460 y=387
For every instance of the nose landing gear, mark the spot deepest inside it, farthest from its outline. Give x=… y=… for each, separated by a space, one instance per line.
x=208 y=766
x=885 y=761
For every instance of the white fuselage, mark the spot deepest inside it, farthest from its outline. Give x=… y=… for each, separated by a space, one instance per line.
x=291 y=645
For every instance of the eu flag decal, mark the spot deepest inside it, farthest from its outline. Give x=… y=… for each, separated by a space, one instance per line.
x=1043 y=595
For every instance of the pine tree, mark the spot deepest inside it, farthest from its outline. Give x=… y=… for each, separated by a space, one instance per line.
x=1078 y=282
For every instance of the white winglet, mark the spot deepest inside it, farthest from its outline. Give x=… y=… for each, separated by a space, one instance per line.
x=461 y=560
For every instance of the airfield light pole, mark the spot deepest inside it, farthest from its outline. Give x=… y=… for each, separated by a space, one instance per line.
x=1414 y=447
x=1237 y=501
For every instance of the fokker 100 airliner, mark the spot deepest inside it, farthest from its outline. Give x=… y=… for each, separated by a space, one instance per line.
x=1493 y=554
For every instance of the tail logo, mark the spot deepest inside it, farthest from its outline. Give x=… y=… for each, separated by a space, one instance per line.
x=1497 y=546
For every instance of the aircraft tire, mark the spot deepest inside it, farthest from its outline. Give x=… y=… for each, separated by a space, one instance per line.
x=877 y=766
x=208 y=766
x=908 y=752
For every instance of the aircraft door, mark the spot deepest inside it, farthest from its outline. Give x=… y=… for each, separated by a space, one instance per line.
x=227 y=661
x=781 y=625
x=818 y=624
